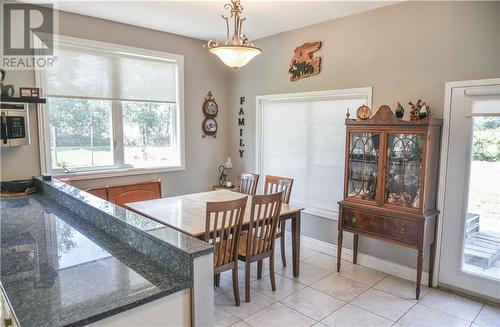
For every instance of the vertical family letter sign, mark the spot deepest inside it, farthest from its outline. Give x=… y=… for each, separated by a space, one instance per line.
x=241 y=124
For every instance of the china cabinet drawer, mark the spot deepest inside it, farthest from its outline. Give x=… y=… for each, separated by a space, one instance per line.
x=360 y=221
x=408 y=231
x=392 y=228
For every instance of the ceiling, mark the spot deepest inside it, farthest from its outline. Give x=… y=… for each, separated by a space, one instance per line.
x=202 y=19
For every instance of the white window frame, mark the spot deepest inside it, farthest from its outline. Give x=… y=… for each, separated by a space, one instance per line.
x=363 y=92
x=96 y=172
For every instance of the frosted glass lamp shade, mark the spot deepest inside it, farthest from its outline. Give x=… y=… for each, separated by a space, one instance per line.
x=234 y=55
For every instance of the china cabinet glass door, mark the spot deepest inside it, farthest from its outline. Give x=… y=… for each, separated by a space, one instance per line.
x=363 y=165
x=404 y=169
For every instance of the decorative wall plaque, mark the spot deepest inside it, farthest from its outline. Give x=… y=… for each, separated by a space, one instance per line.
x=303 y=63
x=210 y=110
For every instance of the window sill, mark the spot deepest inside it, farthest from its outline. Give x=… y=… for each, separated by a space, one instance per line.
x=119 y=172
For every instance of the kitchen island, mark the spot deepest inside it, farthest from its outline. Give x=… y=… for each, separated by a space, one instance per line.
x=71 y=259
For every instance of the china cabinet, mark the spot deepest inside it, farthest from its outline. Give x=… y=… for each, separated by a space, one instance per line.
x=391 y=174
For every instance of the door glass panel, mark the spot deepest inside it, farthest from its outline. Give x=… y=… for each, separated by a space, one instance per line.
x=481 y=253
x=404 y=168
x=363 y=165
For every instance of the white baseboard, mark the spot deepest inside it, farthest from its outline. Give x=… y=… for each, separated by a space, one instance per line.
x=366 y=260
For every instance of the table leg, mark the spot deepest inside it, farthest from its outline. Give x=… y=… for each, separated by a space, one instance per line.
x=355 y=248
x=420 y=259
x=296 y=244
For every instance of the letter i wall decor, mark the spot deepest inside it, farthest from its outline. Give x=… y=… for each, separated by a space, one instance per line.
x=241 y=125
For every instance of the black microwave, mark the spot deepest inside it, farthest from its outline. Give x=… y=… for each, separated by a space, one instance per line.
x=14 y=124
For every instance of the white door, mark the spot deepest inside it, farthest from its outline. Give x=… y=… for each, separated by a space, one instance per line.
x=470 y=246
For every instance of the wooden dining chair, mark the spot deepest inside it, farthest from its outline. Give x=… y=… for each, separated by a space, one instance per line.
x=257 y=243
x=275 y=184
x=222 y=229
x=247 y=183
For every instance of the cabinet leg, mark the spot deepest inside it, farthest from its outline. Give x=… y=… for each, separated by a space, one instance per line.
x=432 y=258
x=217 y=280
x=420 y=259
x=355 y=248
x=339 y=249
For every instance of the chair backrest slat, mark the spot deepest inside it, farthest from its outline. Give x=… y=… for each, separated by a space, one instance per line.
x=223 y=226
x=274 y=184
x=247 y=183
x=264 y=219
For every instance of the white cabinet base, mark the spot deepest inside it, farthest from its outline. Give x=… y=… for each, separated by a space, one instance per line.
x=172 y=310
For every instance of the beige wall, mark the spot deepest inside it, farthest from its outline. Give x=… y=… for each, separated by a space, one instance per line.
x=405 y=51
x=202 y=72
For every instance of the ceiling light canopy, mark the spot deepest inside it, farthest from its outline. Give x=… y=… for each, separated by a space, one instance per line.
x=237 y=51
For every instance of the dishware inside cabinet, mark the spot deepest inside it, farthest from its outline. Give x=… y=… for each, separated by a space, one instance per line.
x=404 y=169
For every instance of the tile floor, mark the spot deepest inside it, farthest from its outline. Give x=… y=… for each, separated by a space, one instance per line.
x=357 y=296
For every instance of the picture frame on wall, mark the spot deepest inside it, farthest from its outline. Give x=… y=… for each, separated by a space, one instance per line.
x=29 y=92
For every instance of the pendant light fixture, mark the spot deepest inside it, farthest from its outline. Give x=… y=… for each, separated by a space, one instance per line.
x=237 y=51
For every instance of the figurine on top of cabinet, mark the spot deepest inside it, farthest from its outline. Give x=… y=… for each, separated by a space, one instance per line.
x=415 y=110
x=400 y=111
x=420 y=110
x=425 y=111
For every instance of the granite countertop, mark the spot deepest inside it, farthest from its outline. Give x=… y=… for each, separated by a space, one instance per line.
x=98 y=212
x=57 y=269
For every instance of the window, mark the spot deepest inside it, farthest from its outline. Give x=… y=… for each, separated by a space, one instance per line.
x=303 y=136
x=111 y=108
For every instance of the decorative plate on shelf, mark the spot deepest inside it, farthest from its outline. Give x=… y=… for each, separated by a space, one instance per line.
x=209 y=126
x=363 y=112
x=210 y=107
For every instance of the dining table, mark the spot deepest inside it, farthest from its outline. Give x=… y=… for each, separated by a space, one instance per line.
x=187 y=213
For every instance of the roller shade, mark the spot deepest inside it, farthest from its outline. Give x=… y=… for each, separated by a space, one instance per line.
x=484 y=101
x=304 y=138
x=111 y=76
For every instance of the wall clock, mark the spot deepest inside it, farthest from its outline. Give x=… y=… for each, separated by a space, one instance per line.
x=210 y=110
x=363 y=112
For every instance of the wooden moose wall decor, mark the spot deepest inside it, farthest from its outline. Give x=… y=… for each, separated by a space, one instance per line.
x=303 y=63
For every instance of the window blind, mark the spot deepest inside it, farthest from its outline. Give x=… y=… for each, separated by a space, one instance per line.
x=305 y=139
x=111 y=76
x=483 y=101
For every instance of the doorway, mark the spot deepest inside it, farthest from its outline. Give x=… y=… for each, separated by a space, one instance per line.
x=470 y=189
